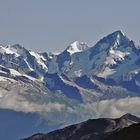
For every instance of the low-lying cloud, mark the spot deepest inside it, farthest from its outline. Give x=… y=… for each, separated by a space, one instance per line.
x=63 y=113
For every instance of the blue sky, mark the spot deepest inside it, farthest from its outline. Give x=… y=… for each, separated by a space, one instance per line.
x=50 y=25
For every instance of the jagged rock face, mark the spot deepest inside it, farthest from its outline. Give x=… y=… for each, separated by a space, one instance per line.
x=97 y=129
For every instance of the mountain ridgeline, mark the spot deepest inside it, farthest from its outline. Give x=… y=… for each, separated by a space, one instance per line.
x=109 y=69
x=123 y=128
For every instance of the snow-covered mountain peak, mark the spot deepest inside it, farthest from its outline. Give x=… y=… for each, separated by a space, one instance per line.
x=76 y=47
x=16 y=49
x=116 y=35
x=119 y=32
x=117 y=38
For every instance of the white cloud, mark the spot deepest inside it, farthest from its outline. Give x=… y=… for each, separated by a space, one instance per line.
x=19 y=103
x=59 y=112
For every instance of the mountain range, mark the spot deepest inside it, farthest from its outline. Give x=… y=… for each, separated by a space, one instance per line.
x=80 y=83
x=109 y=69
